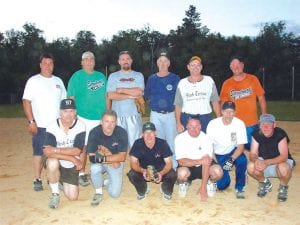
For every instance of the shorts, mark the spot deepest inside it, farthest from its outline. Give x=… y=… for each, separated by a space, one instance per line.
x=38 y=141
x=271 y=171
x=69 y=175
x=196 y=172
x=89 y=125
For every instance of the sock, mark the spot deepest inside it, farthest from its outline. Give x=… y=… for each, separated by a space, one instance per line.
x=99 y=191
x=81 y=173
x=54 y=188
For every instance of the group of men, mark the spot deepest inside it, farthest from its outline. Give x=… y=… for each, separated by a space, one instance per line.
x=98 y=119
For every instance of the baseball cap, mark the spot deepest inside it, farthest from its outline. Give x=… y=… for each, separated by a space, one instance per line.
x=87 y=54
x=149 y=126
x=228 y=105
x=165 y=54
x=195 y=58
x=267 y=118
x=125 y=52
x=67 y=104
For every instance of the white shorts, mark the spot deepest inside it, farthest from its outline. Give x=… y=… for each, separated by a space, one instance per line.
x=89 y=125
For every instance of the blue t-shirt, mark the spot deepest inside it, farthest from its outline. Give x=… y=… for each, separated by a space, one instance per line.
x=161 y=92
x=154 y=156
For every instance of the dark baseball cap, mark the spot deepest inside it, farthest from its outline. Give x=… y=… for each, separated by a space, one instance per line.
x=267 y=118
x=228 y=105
x=148 y=126
x=67 y=104
x=165 y=54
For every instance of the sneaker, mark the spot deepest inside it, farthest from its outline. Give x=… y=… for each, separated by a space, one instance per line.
x=37 y=185
x=83 y=180
x=165 y=195
x=54 y=201
x=211 y=188
x=240 y=194
x=182 y=189
x=96 y=199
x=264 y=188
x=282 y=193
x=141 y=197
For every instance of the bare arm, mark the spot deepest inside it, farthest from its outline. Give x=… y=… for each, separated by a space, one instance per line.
x=205 y=160
x=263 y=104
x=217 y=108
x=253 y=155
x=283 y=149
x=180 y=128
x=239 y=150
x=135 y=165
x=32 y=127
x=167 y=167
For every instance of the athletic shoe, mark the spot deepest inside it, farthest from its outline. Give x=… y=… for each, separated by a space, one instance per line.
x=165 y=195
x=96 y=199
x=83 y=180
x=240 y=194
x=38 y=185
x=282 y=193
x=141 y=197
x=182 y=189
x=54 y=201
x=264 y=188
x=211 y=188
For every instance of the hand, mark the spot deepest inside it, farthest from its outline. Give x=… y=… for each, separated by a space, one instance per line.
x=179 y=127
x=260 y=165
x=228 y=164
x=103 y=150
x=158 y=178
x=48 y=150
x=206 y=160
x=32 y=128
x=78 y=163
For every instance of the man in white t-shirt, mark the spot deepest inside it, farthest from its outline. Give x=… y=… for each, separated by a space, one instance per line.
x=42 y=95
x=228 y=134
x=194 y=153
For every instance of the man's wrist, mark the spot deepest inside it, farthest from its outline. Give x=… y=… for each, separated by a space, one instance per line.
x=31 y=121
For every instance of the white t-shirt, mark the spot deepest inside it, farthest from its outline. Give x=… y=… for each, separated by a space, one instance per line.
x=195 y=98
x=226 y=137
x=45 y=95
x=192 y=147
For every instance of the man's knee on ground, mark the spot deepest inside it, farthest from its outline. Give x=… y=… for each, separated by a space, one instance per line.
x=250 y=168
x=215 y=172
x=183 y=173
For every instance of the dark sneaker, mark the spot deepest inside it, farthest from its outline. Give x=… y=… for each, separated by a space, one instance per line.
x=83 y=180
x=54 y=201
x=96 y=199
x=141 y=197
x=165 y=195
x=282 y=193
x=37 y=185
x=264 y=188
x=240 y=194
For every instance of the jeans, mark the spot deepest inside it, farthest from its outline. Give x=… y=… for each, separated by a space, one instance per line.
x=240 y=171
x=249 y=131
x=115 y=177
x=140 y=184
x=166 y=129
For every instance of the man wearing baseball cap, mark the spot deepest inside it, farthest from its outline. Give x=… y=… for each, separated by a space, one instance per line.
x=63 y=147
x=154 y=153
x=228 y=134
x=270 y=157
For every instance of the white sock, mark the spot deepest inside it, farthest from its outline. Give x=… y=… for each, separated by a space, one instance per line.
x=54 y=188
x=99 y=191
x=81 y=173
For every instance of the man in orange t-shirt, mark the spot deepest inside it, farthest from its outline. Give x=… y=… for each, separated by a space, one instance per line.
x=243 y=89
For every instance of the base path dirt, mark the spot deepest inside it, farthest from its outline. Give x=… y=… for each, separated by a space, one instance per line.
x=19 y=204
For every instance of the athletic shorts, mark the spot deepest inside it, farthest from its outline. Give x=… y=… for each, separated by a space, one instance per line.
x=271 y=171
x=38 y=141
x=69 y=175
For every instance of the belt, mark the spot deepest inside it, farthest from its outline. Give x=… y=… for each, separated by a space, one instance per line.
x=163 y=112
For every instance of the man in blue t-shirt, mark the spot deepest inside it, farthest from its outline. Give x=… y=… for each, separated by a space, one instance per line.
x=160 y=91
x=153 y=152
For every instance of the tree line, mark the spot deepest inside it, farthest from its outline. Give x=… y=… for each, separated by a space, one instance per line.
x=273 y=55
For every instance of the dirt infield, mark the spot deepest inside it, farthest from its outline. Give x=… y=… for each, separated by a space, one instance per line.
x=21 y=205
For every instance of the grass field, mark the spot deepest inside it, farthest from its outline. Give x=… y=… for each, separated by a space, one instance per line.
x=282 y=110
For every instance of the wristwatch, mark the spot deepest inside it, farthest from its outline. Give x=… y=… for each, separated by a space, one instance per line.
x=31 y=121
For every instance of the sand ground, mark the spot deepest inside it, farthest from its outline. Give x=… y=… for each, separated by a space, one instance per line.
x=19 y=204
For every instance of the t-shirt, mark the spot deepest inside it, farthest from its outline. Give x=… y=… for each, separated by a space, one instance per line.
x=45 y=95
x=89 y=91
x=133 y=79
x=268 y=146
x=195 y=98
x=243 y=94
x=161 y=92
x=57 y=137
x=226 y=137
x=117 y=142
x=154 y=156
x=190 y=147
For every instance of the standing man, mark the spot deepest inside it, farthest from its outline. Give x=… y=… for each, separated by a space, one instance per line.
x=63 y=147
x=160 y=90
x=42 y=95
x=228 y=135
x=123 y=87
x=153 y=152
x=243 y=89
x=88 y=87
x=194 y=95
x=107 y=149
x=194 y=153
x=270 y=157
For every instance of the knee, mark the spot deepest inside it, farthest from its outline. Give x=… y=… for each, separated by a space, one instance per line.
x=216 y=172
x=283 y=169
x=250 y=168
x=224 y=182
x=52 y=164
x=182 y=174
x=72 y=196
x=115 y=193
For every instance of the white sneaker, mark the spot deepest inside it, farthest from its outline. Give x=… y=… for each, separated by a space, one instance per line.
x=211 y=188
x=182 y=189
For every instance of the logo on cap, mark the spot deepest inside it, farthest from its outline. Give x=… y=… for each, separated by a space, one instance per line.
x=67 y=104
x=149 y=126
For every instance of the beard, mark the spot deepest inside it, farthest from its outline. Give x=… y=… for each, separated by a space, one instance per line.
x=126 y=67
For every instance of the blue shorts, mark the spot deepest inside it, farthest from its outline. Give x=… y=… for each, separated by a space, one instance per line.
x=38 y=141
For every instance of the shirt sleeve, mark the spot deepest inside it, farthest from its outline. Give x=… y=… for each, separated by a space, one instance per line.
x=178 y=98
x=92 y=145
x=214 y=95
x=111 y=83
x=50 y=140
x=79 y=140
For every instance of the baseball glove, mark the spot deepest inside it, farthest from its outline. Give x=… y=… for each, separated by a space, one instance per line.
x=151 y=173
x=140 y=104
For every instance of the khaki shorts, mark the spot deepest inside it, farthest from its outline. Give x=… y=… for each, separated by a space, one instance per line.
x=69 y=175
